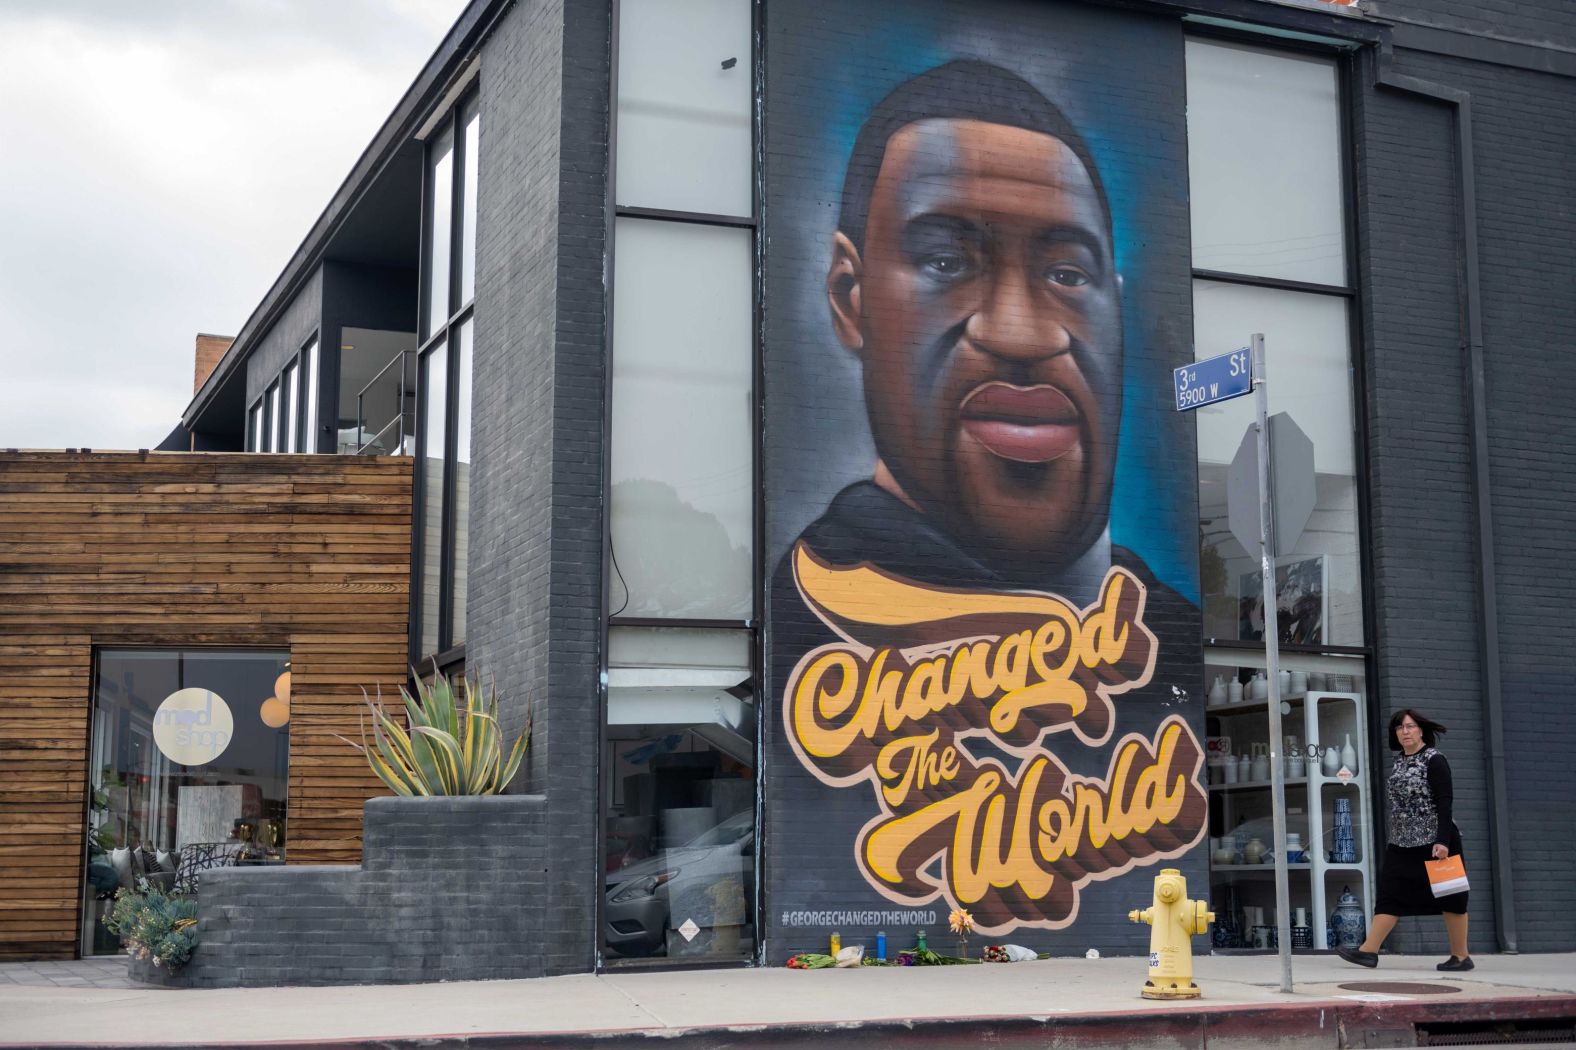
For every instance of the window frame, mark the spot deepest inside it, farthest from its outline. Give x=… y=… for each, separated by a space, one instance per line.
x=447 y=651
x=269 y=423
x=1352 y=291
x=613 y=211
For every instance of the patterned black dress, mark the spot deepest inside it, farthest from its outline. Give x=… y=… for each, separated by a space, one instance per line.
x=1420 y=815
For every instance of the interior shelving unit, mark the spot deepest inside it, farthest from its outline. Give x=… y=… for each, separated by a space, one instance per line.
x=1325 y=719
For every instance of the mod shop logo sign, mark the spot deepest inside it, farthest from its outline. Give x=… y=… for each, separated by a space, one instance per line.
x=192 y=727
x=920 y=670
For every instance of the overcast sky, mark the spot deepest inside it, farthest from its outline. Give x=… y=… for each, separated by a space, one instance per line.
x=160 y=160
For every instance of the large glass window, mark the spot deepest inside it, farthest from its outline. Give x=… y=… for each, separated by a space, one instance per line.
x=679 y=746
x=271 y=424
x=188 y=770
x=1265 y=163
x=460 y=490
x=683 y=423
x=679 y=779
x=309 y=403
x=449 y=287
x=440 y=212
x=285 y=418
x=434 y=386
x=289 y=426
x=1269 y=255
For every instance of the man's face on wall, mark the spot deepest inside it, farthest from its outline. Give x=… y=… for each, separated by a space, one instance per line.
x=986 y=311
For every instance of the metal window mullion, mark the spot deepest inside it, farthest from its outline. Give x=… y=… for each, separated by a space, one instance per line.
x=703 y=218
x=1276 y=283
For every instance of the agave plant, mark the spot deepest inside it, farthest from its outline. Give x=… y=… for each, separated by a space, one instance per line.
x=453 y=744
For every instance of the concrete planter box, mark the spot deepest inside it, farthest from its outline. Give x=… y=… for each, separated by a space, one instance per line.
x=142 y=971
x=449 y=889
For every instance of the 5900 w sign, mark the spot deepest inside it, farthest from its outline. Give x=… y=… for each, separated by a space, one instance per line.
x=1217 y=379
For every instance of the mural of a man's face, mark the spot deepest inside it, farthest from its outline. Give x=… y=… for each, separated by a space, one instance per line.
x=985 y=309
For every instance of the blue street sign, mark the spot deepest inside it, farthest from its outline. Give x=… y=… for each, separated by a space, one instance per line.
x=1217 y=379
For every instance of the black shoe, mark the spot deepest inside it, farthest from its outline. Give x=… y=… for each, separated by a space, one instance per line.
x=1453 y=963
x=1358 y=957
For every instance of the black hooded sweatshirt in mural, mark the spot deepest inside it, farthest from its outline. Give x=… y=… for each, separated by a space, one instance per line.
x=818 y=824
x=866 y=523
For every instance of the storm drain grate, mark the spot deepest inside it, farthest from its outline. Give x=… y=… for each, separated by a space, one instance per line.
x=1497 y=1033
x=1400 y=988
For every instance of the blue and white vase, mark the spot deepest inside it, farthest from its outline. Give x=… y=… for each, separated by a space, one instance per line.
x=1343 y=850
x=1347 y=925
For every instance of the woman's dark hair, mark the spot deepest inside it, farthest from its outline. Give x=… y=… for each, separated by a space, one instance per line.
x=1431 y=729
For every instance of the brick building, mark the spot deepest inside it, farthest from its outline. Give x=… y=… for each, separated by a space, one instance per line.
x=791 y=395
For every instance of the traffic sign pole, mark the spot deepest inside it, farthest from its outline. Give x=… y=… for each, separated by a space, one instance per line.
x=1272 y=662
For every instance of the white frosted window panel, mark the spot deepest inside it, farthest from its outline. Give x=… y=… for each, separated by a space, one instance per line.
x=682 y=424
x=684 y=139
x=309 y=406
x=440 y=229
x=1264 y=163
x=473 y=126
x=1306 y=359
x=462 y=481
x=699 y=647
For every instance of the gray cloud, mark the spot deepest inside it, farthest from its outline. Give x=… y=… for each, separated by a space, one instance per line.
x=161 y=161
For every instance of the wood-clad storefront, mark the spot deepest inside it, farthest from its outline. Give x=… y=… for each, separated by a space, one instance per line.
x=309 y=554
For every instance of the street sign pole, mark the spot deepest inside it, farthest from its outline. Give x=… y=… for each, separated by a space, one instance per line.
x=1210 y=382
x=1272 y=662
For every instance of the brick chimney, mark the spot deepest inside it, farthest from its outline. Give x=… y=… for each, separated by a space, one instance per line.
x=210 y=348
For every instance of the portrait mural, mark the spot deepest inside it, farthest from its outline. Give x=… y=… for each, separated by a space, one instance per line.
x=983 y=633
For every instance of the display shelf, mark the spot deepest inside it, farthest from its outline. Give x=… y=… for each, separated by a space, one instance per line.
x=1318 y=719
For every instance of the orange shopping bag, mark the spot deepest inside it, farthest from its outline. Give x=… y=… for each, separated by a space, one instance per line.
x=1447 y=876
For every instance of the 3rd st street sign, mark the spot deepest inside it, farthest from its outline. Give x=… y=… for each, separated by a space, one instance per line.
x=1217 y=379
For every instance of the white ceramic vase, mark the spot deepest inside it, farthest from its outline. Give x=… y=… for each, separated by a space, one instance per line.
x=1332 y=762
x=1217 y=692
x=1234 y=692
x=1349 y=754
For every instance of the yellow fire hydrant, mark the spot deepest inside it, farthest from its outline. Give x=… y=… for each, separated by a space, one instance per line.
x=1173 y=920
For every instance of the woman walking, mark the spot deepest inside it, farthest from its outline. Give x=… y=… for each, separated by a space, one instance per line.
x=1421 y=829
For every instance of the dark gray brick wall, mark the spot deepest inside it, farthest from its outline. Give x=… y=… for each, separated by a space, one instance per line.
x=1424 y=538
x=1549 y=22
x=536 y=531
x=450 y=889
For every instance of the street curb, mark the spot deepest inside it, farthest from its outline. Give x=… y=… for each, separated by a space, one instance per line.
x=1327 y=1024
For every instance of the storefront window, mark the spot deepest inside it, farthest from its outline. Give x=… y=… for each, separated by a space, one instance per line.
x=188 y=771
x=1270 y=256
x=679 y=767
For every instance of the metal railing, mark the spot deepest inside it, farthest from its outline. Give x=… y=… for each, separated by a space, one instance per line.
x=407 y=389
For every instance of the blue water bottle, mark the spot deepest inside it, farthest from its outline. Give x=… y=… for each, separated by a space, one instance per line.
x=881 y=945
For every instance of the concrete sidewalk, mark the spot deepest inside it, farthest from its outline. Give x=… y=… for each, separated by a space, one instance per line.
x=1058 y=1001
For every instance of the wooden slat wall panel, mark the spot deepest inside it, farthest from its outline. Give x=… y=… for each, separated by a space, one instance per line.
x=310 y=553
